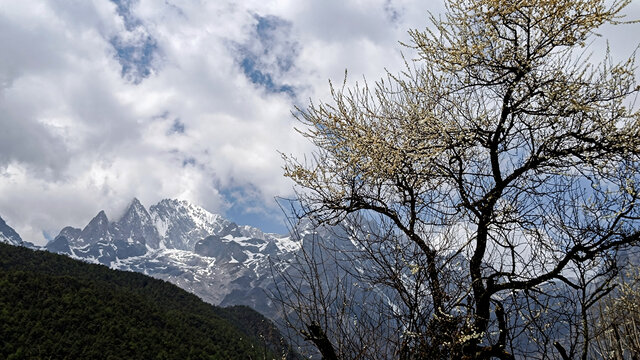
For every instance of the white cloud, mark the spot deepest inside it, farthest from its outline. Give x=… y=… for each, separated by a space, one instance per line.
x=78 y=137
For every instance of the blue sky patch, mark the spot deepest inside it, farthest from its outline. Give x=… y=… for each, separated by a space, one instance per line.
x=124 y=10
x=252 y=71
x=247 y=208
x=177 y=127
x=269 y=55
x=135 y=59
x=134 y=53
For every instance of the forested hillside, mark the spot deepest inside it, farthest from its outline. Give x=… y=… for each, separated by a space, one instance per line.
x=55 y=307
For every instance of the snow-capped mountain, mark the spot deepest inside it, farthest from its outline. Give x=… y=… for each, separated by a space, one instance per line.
x=216 y=259
x=8 y=235
x=181 y=225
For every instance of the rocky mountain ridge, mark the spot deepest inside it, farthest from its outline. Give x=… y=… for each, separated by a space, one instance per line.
x=8 y=234
x=212 y=257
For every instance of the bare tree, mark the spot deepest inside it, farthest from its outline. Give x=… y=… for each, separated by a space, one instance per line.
x=486 y=190
x=616 y=320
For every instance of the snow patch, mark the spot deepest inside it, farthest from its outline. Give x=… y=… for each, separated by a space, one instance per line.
x=287 y=244
x=161 y=226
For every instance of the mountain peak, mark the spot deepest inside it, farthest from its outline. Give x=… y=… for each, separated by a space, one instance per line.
x=182 y=224
x=135 y=202
x=170 y=224
x=136 y=226
x=135 y=209
x=101 y=218
x=8 y=235
x=173 y=202
x=96 y=230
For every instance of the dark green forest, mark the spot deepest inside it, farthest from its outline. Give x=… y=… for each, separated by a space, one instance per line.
x=54 y=307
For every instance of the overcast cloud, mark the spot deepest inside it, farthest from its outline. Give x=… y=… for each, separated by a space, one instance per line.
x=102 y=101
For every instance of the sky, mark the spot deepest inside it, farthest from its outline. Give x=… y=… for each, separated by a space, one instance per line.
x=102 y=101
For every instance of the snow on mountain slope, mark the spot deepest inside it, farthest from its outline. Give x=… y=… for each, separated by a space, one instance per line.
x=8 y=235
x=181 y=224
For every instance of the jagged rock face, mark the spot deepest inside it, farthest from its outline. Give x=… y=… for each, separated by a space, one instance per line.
x=181 y=225
x=215 y=246
x=8 y=235
x=104 y=241
x=96 y=231
x=70 y=233
x=137 y=227
x=170 y=224
x=60 y=244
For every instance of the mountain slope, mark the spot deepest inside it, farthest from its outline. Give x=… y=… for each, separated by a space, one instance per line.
x=53 y=306
x=8 y=235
